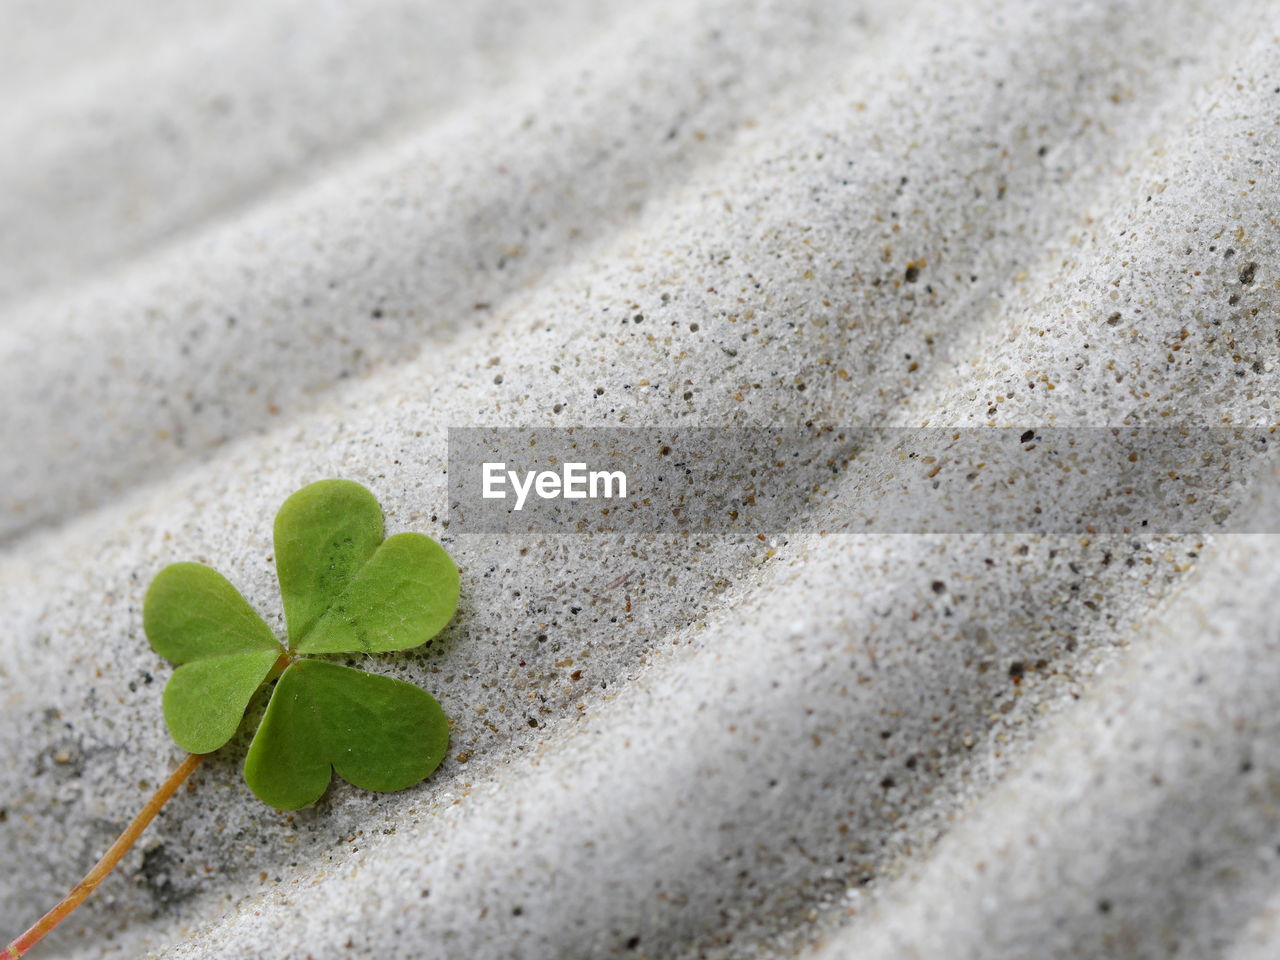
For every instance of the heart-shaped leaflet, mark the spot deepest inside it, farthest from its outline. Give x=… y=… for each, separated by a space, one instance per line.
x=193 y=616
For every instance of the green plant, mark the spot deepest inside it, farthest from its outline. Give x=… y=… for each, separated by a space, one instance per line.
x=346 y=591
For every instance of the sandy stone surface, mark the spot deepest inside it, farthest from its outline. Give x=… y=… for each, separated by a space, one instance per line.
x=247 y=249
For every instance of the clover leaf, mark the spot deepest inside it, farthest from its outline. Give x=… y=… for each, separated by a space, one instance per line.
x=346 y=590
x=376 y=732
x=196 y=618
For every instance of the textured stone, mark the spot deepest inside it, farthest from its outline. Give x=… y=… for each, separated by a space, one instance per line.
x=689 y=213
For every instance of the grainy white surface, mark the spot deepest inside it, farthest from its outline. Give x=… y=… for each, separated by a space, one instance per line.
x=248 y=248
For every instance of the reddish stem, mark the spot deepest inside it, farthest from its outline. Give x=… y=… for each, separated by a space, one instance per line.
x=104 y=866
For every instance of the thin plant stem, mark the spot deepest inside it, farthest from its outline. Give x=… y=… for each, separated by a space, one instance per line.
x=104 y=866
